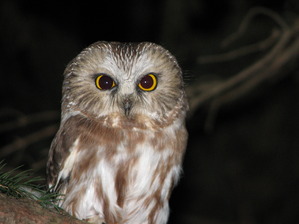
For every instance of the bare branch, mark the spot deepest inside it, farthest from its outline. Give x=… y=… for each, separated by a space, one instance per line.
x=252 y=48
x=10 y=111
x=24 y=120
x=247 y=20
x=270 y=65
x=28 y=140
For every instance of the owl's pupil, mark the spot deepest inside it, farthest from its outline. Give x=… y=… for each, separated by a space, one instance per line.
x=147 y=82
x=106 y=82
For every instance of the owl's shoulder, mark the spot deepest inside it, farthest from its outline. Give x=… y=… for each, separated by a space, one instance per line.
x=78 y=127
x=60 y=148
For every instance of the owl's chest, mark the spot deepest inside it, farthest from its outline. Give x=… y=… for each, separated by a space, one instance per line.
x=137 y=167
x=135 y=155
x=126 y=167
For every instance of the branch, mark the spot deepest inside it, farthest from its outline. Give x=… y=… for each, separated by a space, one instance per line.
x=252 y=48
x=24 y=120
x=269 y=66
x=23 y=142
x=248 y=19
x=23 y=211
x=23 y=200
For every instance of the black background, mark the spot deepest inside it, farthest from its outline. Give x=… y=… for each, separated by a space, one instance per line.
x=243 y=170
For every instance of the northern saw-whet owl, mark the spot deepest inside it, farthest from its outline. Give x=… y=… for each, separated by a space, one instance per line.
x=119 y=149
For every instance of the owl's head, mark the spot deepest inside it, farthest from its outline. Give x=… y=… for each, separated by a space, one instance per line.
x=132 y=81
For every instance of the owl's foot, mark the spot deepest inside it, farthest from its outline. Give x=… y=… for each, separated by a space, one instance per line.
x=95 y=220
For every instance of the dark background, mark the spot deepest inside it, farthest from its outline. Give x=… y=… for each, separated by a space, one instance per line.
x=243 y=170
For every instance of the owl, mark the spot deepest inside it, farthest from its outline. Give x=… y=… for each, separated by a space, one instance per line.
x=118 y=152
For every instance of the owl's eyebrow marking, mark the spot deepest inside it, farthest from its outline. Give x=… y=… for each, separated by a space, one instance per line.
x=95 y=75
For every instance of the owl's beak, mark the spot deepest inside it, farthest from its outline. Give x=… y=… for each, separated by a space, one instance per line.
x=127 y=105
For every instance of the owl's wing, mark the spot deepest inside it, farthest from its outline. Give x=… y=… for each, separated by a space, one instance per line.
x=61 y=156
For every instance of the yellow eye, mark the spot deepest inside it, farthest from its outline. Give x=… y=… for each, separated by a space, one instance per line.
x=104 y=82
x=148 y=82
